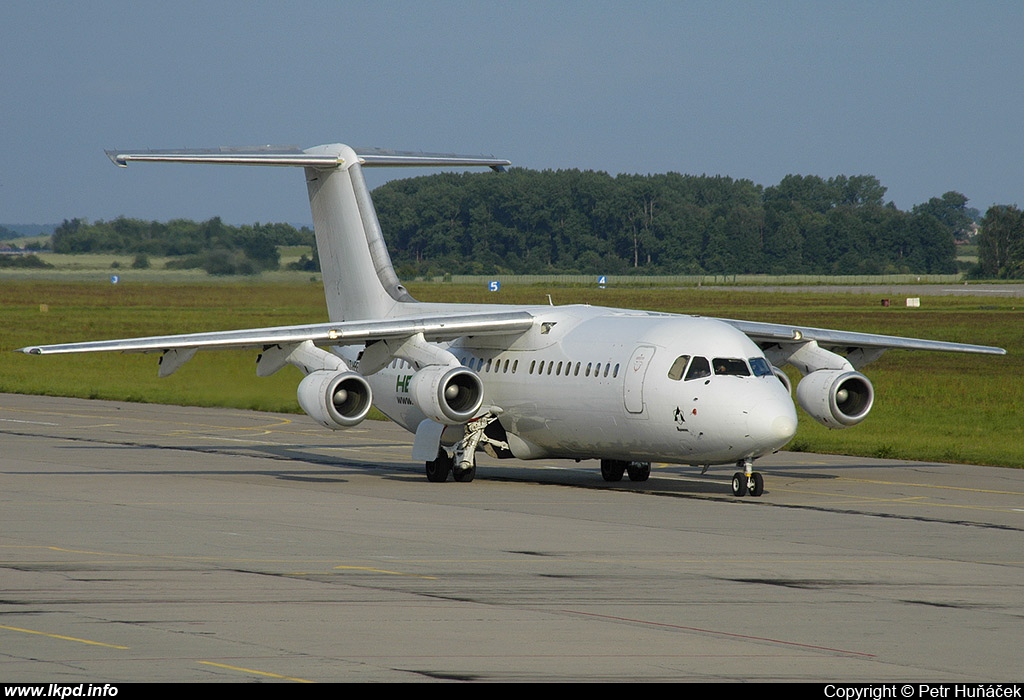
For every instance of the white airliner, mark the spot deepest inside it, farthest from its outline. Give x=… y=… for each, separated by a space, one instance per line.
x=581 y=382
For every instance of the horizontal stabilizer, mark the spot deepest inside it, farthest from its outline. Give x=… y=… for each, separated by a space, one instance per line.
x=319 y=157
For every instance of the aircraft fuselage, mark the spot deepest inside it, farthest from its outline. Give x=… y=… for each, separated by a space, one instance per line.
x=591 y=382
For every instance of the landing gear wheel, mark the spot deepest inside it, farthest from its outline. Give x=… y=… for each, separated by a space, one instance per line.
x=464 y=475
x=739 y=484
x=639 y=471
x=437 y=470
x=756 y=484
x=612 y=469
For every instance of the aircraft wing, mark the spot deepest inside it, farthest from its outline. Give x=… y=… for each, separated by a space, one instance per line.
x=777 y=333
x=433 y=327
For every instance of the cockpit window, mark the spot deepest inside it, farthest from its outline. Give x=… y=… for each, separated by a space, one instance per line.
x=699 y=369
x=761 y=367
x=731 y=367
x=675 y=372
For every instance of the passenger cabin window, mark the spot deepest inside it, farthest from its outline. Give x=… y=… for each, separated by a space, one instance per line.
x=730 y=367
x=675 y=372
x=699 y=369
x=761 y=367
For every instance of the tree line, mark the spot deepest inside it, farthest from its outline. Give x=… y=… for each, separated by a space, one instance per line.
x=587 y=222
x=573 y=221
x=212 y=245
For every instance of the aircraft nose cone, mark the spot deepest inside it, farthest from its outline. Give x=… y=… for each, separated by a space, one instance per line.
x=783 y=427
x=773 y=425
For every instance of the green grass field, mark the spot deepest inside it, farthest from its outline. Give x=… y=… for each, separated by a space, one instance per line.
x=930 y=406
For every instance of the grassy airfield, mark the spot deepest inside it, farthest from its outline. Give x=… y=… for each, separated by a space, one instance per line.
x=928 y=406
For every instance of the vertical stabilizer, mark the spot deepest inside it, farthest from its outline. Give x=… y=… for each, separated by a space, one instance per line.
x=359 y=279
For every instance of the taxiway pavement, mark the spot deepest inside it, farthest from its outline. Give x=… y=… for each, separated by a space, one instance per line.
x=162 y=543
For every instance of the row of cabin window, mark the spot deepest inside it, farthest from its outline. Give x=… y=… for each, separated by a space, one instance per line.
x=698 y=369
x=559 y=369
x=574 y=370
x=479 y=364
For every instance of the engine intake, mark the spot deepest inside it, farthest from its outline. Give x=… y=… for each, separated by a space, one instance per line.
x=335 y=400
x=836 y=398
x=448 y=395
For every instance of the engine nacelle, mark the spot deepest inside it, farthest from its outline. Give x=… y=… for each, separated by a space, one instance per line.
x=335 y=400
x=836 y=398
x=448 y=395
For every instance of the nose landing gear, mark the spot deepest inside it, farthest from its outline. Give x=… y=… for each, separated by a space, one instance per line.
x=748 y=481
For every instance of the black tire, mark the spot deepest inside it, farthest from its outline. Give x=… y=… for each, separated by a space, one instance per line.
x=612 y=469
x=437 y=470
x=758 y=487
x=739 y=484
x=639 y=471
x=464 y=475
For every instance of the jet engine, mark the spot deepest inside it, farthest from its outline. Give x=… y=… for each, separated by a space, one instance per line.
x=335 y=400
x=836 y=398
x=448 y=395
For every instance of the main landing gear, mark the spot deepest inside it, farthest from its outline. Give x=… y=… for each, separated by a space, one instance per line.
x=613 y=469
x=462 y=463
x=438 y=469
x=748 y=481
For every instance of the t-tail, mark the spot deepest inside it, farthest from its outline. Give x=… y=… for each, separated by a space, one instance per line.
x=359 y=280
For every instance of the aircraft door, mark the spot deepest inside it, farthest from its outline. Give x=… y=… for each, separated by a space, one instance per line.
x=636 y=370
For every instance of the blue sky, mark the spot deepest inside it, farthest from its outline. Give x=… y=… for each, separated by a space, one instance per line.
x=926 y=96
